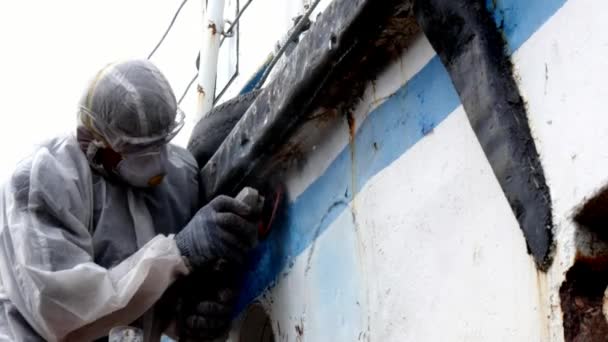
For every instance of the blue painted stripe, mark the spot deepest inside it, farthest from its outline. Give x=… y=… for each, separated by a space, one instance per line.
x=519 y=19
x=388 y=132
x=255 y=79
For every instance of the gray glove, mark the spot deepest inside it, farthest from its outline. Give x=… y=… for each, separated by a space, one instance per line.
x=223 y=229
x=210 y=320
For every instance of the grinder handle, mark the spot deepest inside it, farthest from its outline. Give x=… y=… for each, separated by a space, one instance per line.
x=252 y=198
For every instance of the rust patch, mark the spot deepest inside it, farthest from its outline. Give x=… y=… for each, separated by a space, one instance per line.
x=582 y=293
x=582 y=300
x=399 y=30
x=212 y=27
x=200 y=89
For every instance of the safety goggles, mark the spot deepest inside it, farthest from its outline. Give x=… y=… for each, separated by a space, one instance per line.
x=123 y=143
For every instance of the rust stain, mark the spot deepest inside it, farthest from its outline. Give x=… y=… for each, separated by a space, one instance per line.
x=582 y=294
x=200 y=89
x=594 y=263
x=352 y=126
x=323 y=115
x=582 y=299
x=374 y=90
x=352 y=131
x=212 y=27
x=398 y=33
x=361 y=243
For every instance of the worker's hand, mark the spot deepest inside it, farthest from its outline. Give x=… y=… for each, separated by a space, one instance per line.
x=210 y=320
x=223 y=229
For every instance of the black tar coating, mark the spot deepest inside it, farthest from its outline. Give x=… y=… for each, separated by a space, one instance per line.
x=339 y=45
x=473 y=50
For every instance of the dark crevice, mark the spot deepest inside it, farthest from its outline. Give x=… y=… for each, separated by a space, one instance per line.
x=594 y=214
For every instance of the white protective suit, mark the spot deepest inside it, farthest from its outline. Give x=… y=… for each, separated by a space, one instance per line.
x=81 y=253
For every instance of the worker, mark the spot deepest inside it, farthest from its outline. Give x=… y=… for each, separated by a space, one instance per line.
x=97 y=225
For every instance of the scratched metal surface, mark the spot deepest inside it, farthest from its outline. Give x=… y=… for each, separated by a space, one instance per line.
x=349 y=36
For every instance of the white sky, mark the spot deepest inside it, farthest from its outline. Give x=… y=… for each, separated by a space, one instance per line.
x=50 y=49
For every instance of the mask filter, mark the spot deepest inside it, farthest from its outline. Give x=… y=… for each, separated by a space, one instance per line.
x=143 y=170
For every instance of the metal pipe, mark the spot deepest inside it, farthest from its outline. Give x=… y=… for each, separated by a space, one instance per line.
x=230 y=29
x=213 y=25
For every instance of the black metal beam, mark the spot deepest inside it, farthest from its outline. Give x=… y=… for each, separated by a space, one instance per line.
x=472 y=49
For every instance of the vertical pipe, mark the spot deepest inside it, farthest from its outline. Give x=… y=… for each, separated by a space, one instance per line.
x=213 y=26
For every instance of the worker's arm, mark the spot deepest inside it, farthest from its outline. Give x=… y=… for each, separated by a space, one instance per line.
x=46 y=256
x=217 y=231
x=47 y=260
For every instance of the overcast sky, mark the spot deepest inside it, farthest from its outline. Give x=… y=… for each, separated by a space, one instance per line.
x=51 y=48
